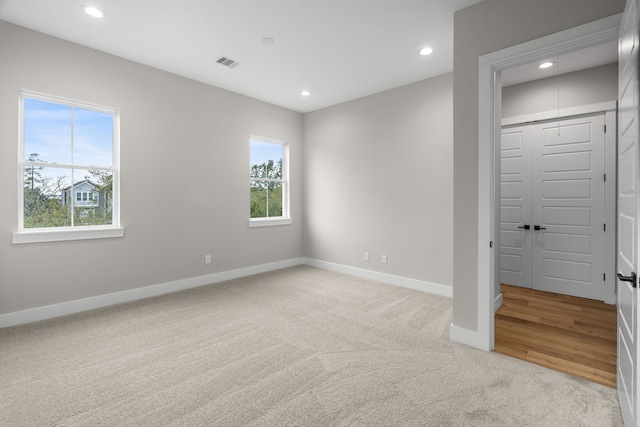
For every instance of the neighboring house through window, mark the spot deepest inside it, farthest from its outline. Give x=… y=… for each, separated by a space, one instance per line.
x=269 y=182
x=68 y=170
x=89 y=196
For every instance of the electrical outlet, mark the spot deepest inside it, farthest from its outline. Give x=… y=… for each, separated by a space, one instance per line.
x=207 y=259
x=384 y=259
x=366 y=256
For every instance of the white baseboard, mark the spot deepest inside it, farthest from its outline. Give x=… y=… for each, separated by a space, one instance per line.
x=85 y=304
x=418 y=285
x=498 y=302
x=468 y=337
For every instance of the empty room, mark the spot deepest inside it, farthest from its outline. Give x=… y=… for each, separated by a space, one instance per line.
x=288 y=212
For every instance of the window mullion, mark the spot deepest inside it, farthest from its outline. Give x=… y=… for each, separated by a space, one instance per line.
x=267 y=211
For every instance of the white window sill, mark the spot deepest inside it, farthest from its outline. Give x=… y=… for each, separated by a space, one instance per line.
x=268 y=222
x=64 y=234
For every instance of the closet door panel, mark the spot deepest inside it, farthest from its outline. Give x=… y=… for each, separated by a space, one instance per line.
x=515 y=208
x=568 y=206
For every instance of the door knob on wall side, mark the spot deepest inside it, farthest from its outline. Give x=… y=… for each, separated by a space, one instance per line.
x=526 y=227
x=537 y=227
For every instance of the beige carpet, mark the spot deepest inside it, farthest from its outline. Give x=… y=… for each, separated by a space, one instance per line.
x=298 y=346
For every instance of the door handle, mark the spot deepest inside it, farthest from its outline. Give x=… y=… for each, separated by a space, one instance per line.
x=526 y=227
x=537 y=227
x=633 y=279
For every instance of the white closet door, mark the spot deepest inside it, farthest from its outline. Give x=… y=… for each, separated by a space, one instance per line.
x=568 y=207
x=515 y=208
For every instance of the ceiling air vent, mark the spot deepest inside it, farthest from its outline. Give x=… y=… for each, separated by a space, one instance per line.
x=227 y=62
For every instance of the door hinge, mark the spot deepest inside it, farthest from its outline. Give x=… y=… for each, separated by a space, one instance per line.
x=604 y=277
x=604 y=227
x=605 y=177
x=491 y=243
x=605 y=128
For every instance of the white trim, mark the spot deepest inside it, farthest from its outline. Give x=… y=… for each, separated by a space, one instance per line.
x=389 y=279
x=590 y=34
x=20 y=161
x=267 y=222
x=468 y=337
x=85 y=304
x=115 y=180
x=266 y=139
x=70 y=102
x=77 y=306
x=498 y=302
x=562 y=113
x=490 y=66
x=57 y=234
x=611 y=203
x=484 y=335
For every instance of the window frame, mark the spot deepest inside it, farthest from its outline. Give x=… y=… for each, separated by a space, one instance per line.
x=76 y=232
x=285 y=218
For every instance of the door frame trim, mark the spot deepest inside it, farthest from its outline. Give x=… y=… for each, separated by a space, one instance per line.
x=489 y=117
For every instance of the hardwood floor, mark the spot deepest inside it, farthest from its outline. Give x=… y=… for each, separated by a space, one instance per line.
x=572 y=335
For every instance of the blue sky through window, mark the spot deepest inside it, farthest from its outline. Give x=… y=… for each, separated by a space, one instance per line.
x=261 y=152
x=52 y=129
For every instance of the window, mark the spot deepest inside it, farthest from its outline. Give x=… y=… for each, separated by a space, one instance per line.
x=269 y=182
x=66 y=148
x=83 y=196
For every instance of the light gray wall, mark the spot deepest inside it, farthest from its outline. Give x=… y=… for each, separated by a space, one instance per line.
x=584 y=87
x=184 y=179
x=378 y=177
x=486 y=27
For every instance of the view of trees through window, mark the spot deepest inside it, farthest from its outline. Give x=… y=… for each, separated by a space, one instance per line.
x=68 y=165
x=48 y=198
x=267 y=188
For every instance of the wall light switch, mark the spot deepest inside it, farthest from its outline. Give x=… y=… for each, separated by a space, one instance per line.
x=384 y=259
x=366 y=256
x=207 y=259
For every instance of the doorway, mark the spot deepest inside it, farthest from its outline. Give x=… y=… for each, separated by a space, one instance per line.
x=490 y=72
x=553 y=218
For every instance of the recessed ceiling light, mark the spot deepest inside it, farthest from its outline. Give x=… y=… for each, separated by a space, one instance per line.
x=425 y=51
x=305 y=93
x=94 y=11
x=546 y=65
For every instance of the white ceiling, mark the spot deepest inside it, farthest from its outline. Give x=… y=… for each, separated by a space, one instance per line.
x=337 y=49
